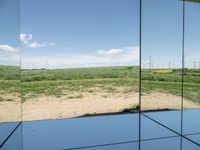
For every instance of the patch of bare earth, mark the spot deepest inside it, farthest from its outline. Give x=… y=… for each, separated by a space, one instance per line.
x=10 y=107
x=82 y=103
x=156 y=101
x=47 y=107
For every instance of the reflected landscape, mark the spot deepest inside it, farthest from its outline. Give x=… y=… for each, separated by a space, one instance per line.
x=99 y=74
x=10 y=98
x=10 y=72
x=74 y=71
x=64 y=93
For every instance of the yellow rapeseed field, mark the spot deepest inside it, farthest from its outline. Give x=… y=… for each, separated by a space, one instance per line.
x=163 y=71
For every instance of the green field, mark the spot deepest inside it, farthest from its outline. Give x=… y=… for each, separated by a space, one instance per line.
x=9 y=81
x=107 y=79
x=54 y=82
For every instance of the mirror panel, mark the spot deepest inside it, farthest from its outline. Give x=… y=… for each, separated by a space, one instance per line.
x=79 y=63
x=10 y=88
x=81 y=60
x=191 y=121
x=161 y=80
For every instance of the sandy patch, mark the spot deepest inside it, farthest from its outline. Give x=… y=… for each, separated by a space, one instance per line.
x=78 y=104
x=47 y=107
x=155 y=101
x=81 y=103
x=10 y=108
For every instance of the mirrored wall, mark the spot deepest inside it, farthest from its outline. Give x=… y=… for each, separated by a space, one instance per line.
x=10 y=91
x=124 y=71
x=191 y=120
x=161 y=58
x=81 y=59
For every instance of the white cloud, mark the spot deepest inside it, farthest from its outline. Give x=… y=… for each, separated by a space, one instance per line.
x=110 y=52
x=126 y=54
x=25 y=38
x=8 y=48
x=36 y=45
x=112 y=57
x=9 y=55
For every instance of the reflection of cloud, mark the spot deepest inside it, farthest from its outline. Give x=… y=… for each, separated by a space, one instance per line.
x=8 y=48
x=26 y=38
x=9 y=55
x=110 y=52
x=113 y=57
x=36 y=45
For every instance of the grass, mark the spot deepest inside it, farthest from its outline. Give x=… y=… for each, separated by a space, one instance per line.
x=171 y=82
x=195 y=1
x=9 y=79
x=43 y=82
x=57 y=82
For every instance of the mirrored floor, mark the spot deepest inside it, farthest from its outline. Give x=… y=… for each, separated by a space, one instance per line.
x=80 y=132
x=118 y=132
x=191 y=121
x=15 y=141
x=6 y=129
x=169 y=119
x=194 y=137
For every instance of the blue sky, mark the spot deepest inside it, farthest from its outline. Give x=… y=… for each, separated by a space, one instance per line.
x=9 y=32
x=162 y=33
x=89 y=33
x=80 y=33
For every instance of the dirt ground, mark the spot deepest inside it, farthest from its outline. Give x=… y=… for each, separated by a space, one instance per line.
x=47 y=107
x=10 y=109
x=79 y=104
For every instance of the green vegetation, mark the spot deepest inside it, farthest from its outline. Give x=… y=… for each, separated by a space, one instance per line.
x=43 y=82
x=171 y=82
x=79 y=74
x=60 y=82
x=9 y=79
x=195 y=1
x=9 y=82
x=110 y=79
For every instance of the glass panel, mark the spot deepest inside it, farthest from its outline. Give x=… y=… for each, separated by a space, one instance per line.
x=152 y=130
x=191 y=121
x=188 y=145
x=174 y=143
x=15 y=141
x=162 y=62
x=164 y=144
x=81 y=132
x=80 y=58
x=10 y=101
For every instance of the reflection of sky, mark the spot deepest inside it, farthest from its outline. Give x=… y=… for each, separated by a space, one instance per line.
x=75 y=33
x=162 y=33
x=9 y=32
x=80 y=33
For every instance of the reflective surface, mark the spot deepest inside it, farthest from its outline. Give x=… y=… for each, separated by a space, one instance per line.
x=83 y=132
x=15 y=141
x=80 y=60
x=84 y=61
x=10 y=97
x=191 y=121
x=106 y=132
x=161 y=51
